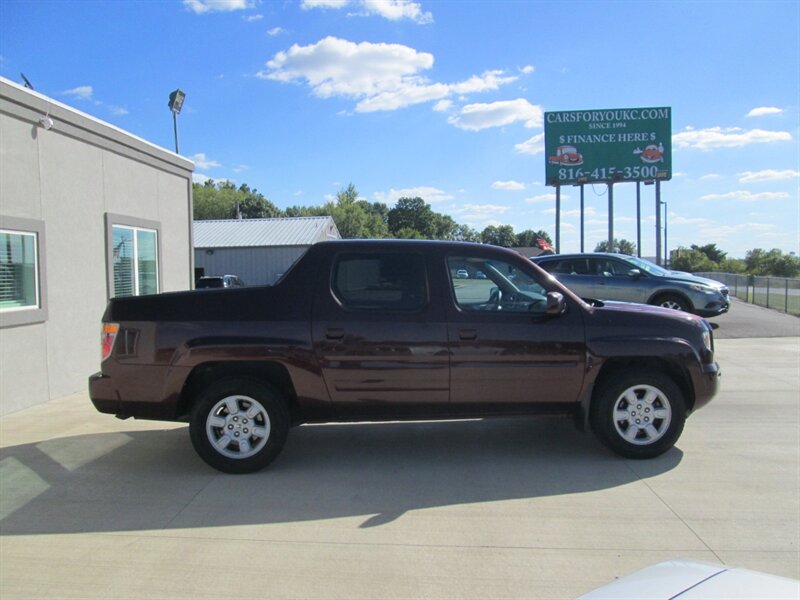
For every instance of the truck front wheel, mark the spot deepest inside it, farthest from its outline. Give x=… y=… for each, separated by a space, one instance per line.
x=639 y=414
x=239 y=425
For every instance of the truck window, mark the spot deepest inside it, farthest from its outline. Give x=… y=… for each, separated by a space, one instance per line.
x=386 y=281
x=494 y=285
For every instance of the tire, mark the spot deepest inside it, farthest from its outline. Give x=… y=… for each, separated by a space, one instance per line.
x=673 y=301
x=639 y=414
x=239 y=425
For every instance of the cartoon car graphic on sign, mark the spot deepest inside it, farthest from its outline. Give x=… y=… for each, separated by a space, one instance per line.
x=651 y=154
x=566 y=155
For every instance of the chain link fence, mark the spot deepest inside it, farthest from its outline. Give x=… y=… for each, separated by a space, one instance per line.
x=780 y=293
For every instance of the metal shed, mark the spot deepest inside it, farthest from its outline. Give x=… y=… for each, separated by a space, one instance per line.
x=258 y=251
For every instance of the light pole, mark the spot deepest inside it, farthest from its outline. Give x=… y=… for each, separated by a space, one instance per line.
x=666 y=245
x=176 y=99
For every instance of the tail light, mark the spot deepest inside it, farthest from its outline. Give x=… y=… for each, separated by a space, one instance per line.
x=107 y=337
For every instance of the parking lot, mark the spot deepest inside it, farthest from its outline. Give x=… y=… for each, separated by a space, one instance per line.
x=94 y=507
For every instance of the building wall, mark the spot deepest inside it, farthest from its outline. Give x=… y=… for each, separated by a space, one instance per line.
x=256 y=266
x=70 y=178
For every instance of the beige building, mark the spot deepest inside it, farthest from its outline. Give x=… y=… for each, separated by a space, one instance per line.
x=87 y=212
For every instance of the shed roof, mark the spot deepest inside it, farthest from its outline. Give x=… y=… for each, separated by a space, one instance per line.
x=249 y=233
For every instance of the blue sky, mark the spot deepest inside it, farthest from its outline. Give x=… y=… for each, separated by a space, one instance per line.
x=444 y=100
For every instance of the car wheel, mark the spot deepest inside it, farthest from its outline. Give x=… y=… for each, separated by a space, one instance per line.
x=674 y=302
x=639 y=414
x=239 y=425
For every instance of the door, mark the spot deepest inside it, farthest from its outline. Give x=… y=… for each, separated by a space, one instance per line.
x=507 y=354
x=380 y=340
x=612 y=281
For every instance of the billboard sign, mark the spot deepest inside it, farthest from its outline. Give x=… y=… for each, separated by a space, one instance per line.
x=609 y=145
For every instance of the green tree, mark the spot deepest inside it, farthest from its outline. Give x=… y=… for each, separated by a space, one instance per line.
x=620 y=246
x=691 y=260
x=348 y=195
x=713 y=253
x=220 y=201
x=411 y=213
x=527 y=238
x=502 y=235
x=772 y=262
x=465 y=233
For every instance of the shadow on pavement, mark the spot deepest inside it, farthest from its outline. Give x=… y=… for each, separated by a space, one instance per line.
x=145 y=480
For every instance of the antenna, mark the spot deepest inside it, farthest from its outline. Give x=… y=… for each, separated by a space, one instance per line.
x=28 y=84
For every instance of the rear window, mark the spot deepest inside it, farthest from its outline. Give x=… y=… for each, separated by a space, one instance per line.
x=390 y=281
x=210 y=282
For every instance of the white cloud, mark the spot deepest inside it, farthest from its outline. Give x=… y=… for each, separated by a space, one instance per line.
x=443 y=105
x=765 y=110
x=483 y=213
x=508 y=185
x=548 y=197
x=710 y=176
x=527 y=70
x=380 y=76
x=393 y=10
x=118 y=110
x=767 y=175
x=588 y=211
x=745 y=196
x=206 y=6
x=427 y=193
x=729 y=137
x=474 y=117
x=253 y=18
x=336 y=67
x=275 y=31
x=200 y=178
x=678 y=220
x=309 y=4
x=723 y=231
x=83 y=92
x=201 y=162
x=240 y=168
x=534 y=145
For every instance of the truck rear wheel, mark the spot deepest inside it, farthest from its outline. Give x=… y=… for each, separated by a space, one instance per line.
x=639 y=414
x=239 y=425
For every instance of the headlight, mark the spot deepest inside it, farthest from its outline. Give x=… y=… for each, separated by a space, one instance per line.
x=703 y=289
x=707 y=341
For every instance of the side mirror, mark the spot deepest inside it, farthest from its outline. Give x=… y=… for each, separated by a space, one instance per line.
x=634 y=273
x=555 y=304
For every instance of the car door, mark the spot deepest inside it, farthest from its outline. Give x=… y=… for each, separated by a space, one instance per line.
x=507 y=355
x=572 y=272
x=380 y=340
x=615 y=282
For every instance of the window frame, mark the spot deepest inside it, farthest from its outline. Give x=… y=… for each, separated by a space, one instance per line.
x=134 y=224
x=28 y=315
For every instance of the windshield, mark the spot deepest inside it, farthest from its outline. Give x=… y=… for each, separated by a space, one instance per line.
x=646 y=265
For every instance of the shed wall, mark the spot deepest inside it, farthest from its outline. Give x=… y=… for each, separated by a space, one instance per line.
x=256 y=266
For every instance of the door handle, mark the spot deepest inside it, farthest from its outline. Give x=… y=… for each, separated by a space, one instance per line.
x=468 y=334
x=334 y=333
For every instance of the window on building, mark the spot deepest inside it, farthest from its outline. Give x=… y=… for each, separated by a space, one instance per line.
x=133 y=257
x=19 y=280
x=21 y=271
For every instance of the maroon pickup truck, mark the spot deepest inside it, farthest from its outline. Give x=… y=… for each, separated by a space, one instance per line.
x=400 y=330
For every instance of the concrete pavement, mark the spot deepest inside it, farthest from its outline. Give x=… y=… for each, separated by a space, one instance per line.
x=93 y=507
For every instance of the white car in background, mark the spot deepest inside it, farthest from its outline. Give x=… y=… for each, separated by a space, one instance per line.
x=694 y=580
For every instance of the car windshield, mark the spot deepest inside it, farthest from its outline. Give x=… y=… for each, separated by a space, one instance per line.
x=646 y=265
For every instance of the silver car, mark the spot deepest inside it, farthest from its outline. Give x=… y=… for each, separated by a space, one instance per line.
x=630 y=279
